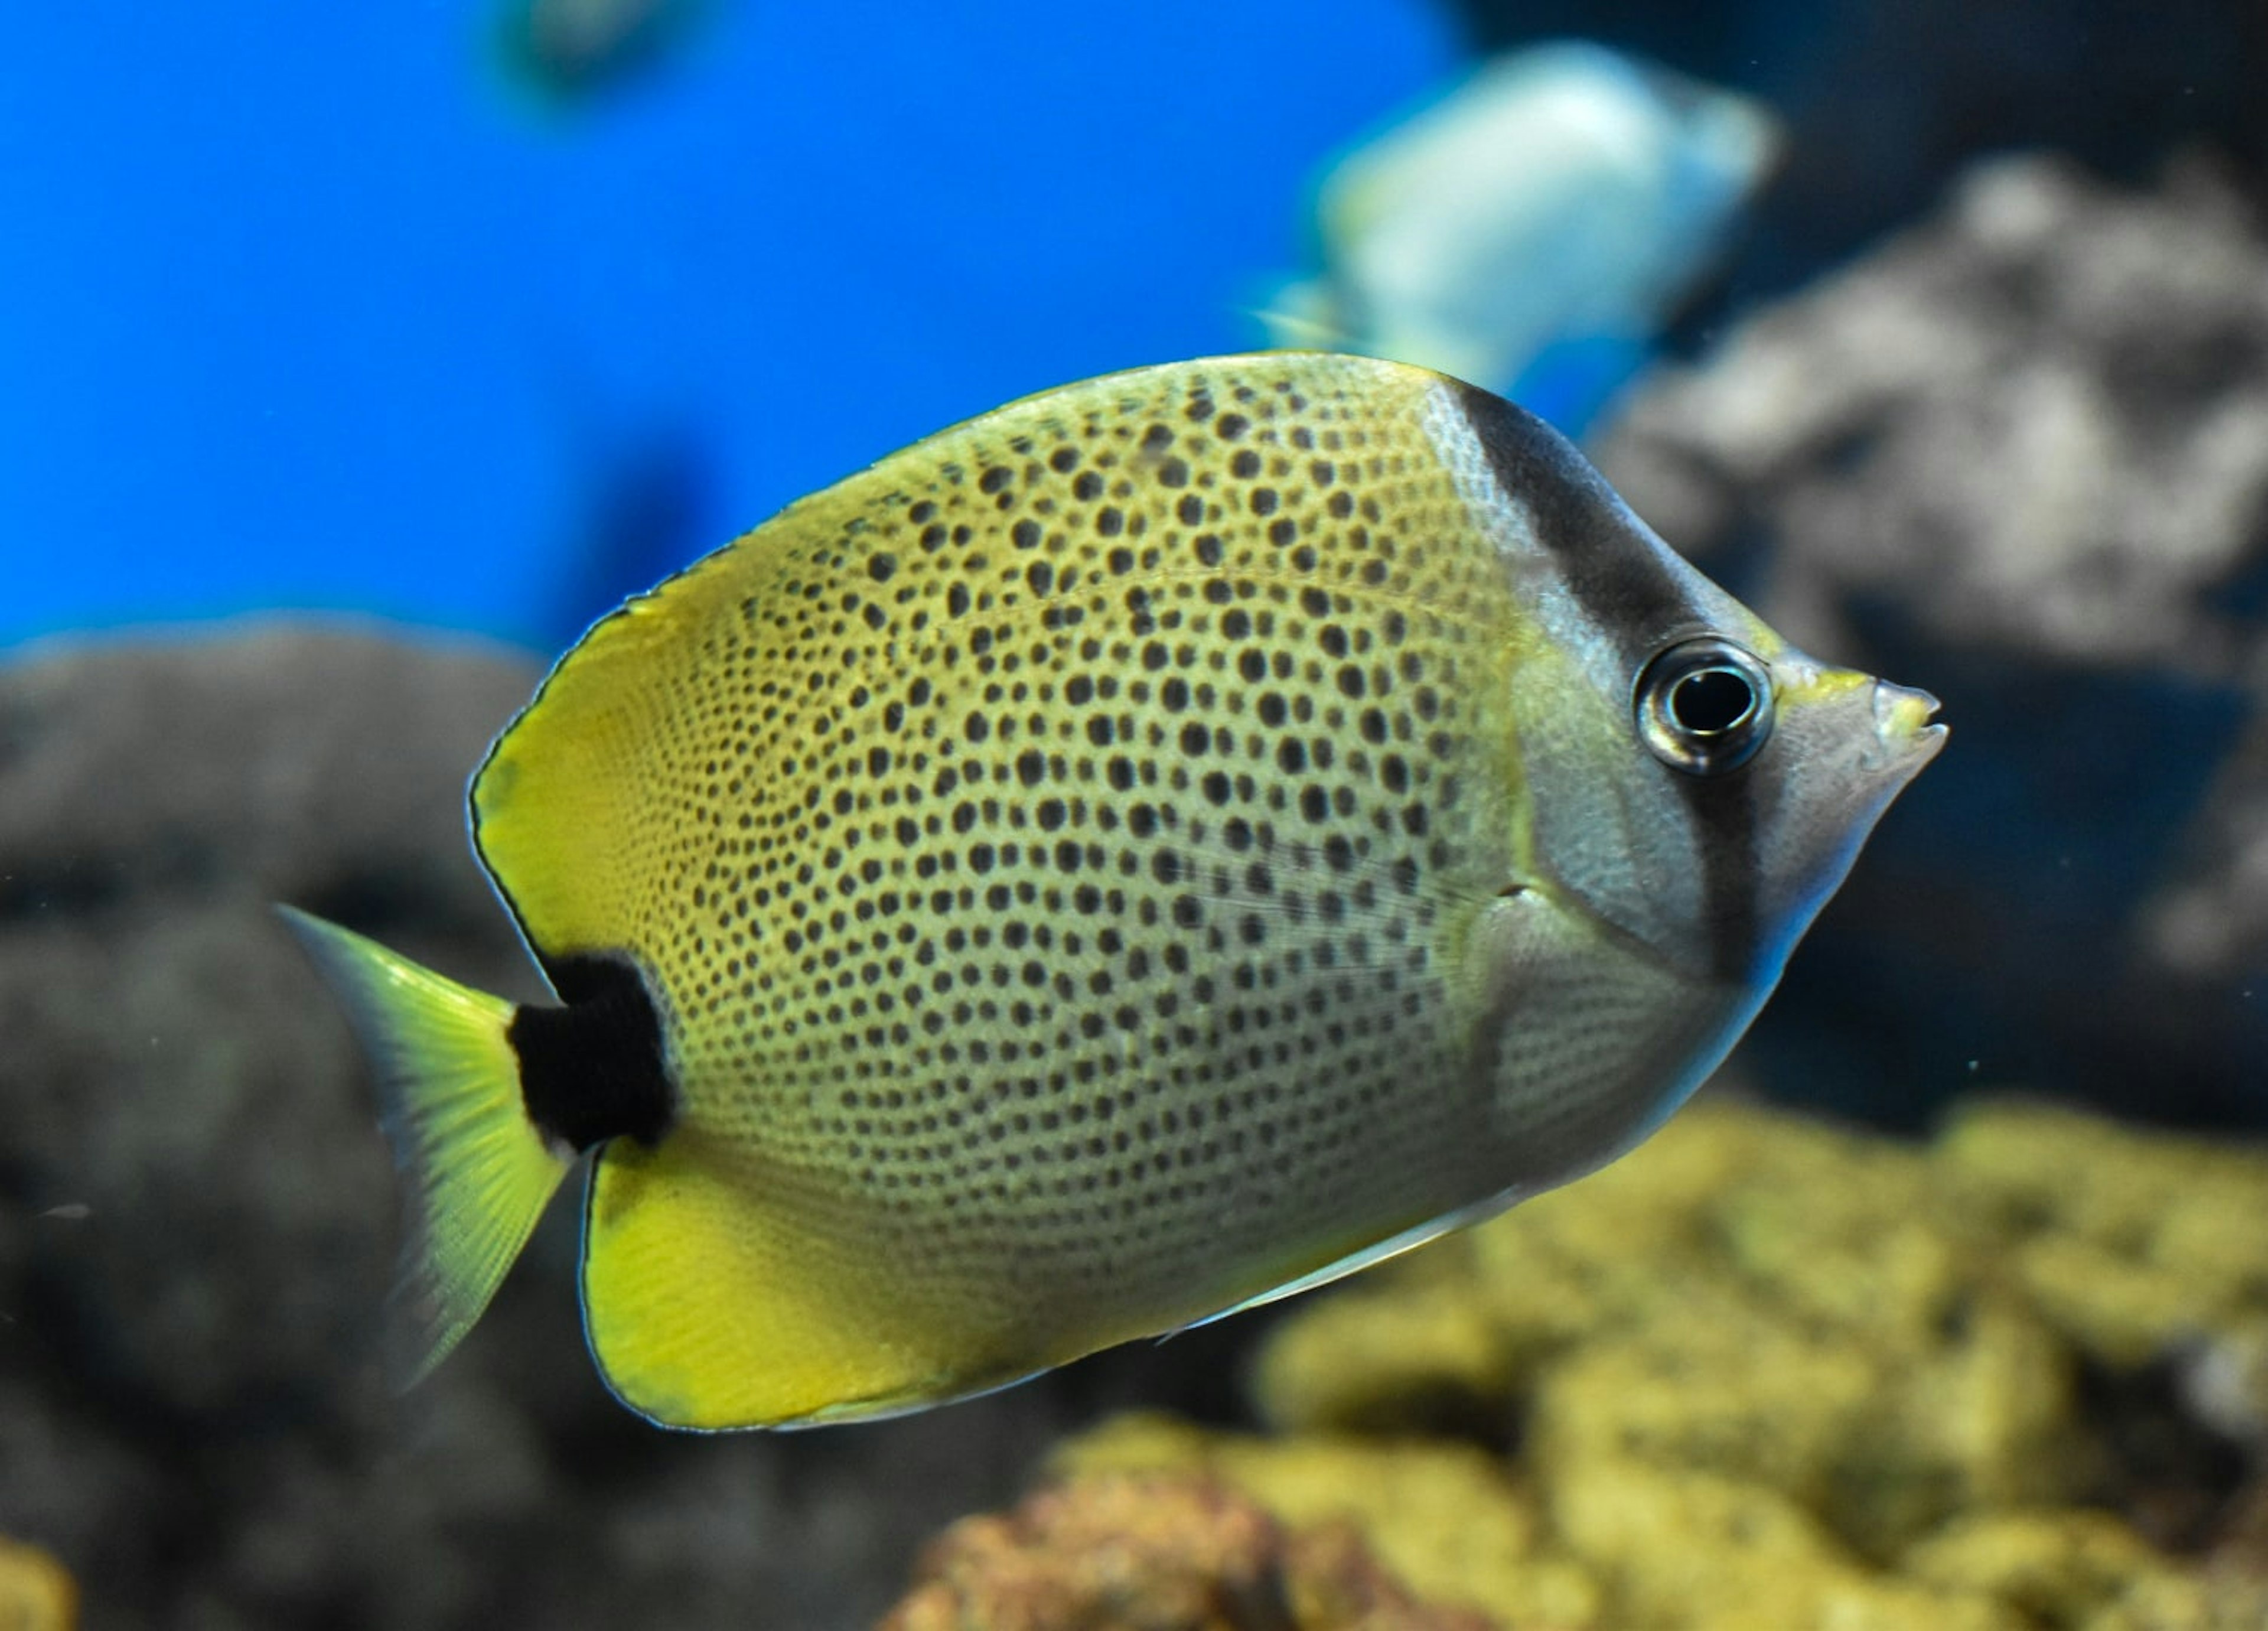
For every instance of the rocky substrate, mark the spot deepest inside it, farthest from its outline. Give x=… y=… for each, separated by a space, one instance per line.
x=196 y=1213
x=2018 y=456
x=1760 y=1373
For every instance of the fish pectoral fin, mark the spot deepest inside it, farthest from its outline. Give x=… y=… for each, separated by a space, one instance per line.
x=706 y=1307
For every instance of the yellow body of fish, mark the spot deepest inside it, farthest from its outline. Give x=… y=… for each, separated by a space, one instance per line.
x=1155 y=846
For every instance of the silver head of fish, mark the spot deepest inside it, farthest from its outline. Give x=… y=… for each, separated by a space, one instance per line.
x=1695 y=788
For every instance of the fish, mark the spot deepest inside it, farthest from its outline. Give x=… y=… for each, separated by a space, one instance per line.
x=1533 y=228
x=1152 y=848
x=569 y=51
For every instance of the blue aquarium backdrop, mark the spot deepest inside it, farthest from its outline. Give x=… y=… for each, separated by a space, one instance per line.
x=327 y=306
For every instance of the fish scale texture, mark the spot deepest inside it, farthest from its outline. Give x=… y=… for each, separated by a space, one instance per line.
x=1053 y=848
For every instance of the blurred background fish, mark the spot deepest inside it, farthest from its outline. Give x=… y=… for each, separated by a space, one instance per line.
x=642 y=493
x=569 y=51
x=1533 y=229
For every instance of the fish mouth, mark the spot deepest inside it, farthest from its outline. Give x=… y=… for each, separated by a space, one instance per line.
x=1905 y=724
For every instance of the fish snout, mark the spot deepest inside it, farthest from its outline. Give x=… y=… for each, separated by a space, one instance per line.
x=1906 y=730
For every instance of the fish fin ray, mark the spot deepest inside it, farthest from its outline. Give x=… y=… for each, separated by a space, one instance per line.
x=476 y=1173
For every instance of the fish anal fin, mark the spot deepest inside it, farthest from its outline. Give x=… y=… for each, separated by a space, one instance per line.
x=707 y=1309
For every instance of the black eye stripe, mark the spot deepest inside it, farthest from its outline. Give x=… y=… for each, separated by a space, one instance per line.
x=1612 y=569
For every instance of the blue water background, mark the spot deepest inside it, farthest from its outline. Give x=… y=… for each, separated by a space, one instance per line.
x=304 y=308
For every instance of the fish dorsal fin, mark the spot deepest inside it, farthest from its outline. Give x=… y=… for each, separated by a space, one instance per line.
x=651 y=741
x=608 y=769
x=561 y=807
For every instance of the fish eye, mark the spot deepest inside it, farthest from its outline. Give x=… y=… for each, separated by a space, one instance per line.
x=1704 y=705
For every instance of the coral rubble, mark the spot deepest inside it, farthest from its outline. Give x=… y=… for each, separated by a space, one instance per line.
x=1165 y=1551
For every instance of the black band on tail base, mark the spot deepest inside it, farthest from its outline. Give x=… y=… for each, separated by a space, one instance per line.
x=593 y=1070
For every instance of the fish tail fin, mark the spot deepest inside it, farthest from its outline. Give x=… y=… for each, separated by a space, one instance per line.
x=476 y=1172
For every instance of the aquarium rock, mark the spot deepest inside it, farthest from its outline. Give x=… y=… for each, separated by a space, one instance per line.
x=197 y=1222
x=1161 y=1550
x=1763 y=1371
x=2021 y=449
x=168 y=1175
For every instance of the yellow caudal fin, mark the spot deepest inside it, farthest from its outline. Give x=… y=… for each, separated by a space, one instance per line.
x=476 y=1172
x=707 y=1307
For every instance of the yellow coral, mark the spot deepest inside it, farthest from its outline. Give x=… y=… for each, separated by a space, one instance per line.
x=2170 y=1603
x=36 y=1592
x=2060 y=1567
x=1774 y=1373
x=1688 y=1551
x=2127 y=1241
x=1445 y=1518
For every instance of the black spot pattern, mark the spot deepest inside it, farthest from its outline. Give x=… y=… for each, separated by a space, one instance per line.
x=1056 y=847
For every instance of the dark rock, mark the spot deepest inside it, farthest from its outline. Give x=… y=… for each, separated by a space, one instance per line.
x=2018 y=456
x=1885 y=105
x=179 y=1095
x=196 y=1213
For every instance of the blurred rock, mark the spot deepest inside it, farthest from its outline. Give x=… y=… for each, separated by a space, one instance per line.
x=36 y=1594
x=1762 y=1372
x=172 y=1080
x=2018 y=456
x=1156 y=1554
x=196 y=1213
x=1886 y=104
x=2037 y=424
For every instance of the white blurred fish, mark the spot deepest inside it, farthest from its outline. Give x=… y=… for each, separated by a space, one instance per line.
x=1564 y=196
